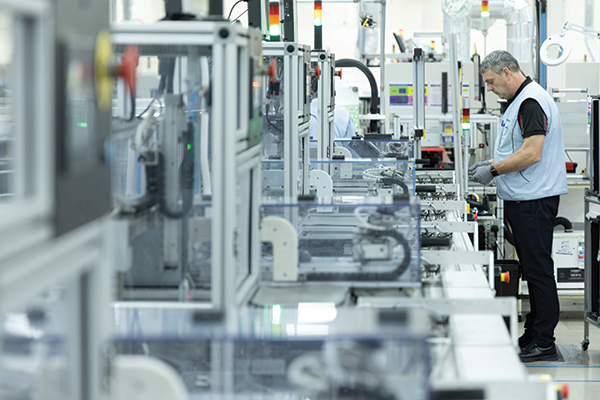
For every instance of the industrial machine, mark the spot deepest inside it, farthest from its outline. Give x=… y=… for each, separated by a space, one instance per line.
x=324 y=80
x=349 y=275
x=286 y=139
x=55 y=192
x=439 y=136
x=365 y=244
x=364 y=168
x=592 y=230
x=369 y=233
x=180 y=161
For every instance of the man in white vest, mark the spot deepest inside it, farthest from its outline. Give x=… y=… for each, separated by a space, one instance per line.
x=529 y=168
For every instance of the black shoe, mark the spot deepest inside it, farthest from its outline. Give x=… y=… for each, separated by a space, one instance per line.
x=524 y=341
x=533 y=352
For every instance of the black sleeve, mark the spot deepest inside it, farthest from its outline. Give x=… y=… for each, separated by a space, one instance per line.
x=532 y=119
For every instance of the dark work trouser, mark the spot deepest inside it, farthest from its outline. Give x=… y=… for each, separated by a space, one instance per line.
x=532 y=224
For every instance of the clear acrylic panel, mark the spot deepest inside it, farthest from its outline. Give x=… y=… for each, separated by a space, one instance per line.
x=34 y=357
x=273 y=179
x=244 y=217
x=349 y=178
x=366 y=178
x=7 y=122
x=378 y=149
x=275 y=145
x=360 y=242
x=311 y=351
x=163 y=174
x=273 y=140
x=161 y=161
x=273 y=114
x=169 y=114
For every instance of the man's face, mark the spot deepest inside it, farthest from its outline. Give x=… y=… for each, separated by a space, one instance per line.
x=497 y=83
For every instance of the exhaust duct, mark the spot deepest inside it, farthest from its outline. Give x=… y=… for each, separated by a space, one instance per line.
x=460 y=16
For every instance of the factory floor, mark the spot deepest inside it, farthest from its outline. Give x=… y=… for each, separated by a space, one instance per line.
x=583 y=380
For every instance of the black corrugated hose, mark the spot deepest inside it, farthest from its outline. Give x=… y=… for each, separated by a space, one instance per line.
x=373 y=109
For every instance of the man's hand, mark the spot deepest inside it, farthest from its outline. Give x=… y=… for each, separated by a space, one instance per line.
x=482 y=175
x=473 y=167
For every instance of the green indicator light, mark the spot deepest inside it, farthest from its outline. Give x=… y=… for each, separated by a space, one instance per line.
x=82 y=124
x=189 y=147
x=276 y=314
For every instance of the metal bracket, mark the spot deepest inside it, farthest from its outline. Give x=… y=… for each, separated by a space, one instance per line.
x=281 y=233
x=322 y=182
x=345 y=168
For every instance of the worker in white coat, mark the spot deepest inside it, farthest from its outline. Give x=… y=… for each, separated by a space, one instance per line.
x=343 y=124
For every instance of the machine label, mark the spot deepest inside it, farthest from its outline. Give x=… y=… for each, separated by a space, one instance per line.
x=565 y=247
x=570 y=275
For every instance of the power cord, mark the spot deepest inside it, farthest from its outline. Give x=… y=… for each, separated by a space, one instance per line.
x=149 y=105
x=238 y=17
x=272 y=124
x=132 y=114
x=233 y=6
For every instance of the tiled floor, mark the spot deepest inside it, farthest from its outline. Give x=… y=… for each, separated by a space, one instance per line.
x=583 y=381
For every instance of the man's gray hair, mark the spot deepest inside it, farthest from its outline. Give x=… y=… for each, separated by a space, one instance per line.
x=498 y=60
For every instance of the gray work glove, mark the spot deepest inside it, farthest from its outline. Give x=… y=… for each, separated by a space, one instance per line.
x=482 y=175
x=473 y=167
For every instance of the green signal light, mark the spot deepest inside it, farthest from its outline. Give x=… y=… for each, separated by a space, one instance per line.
x=276 y=314
x=189 y=146
x=82 y=124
